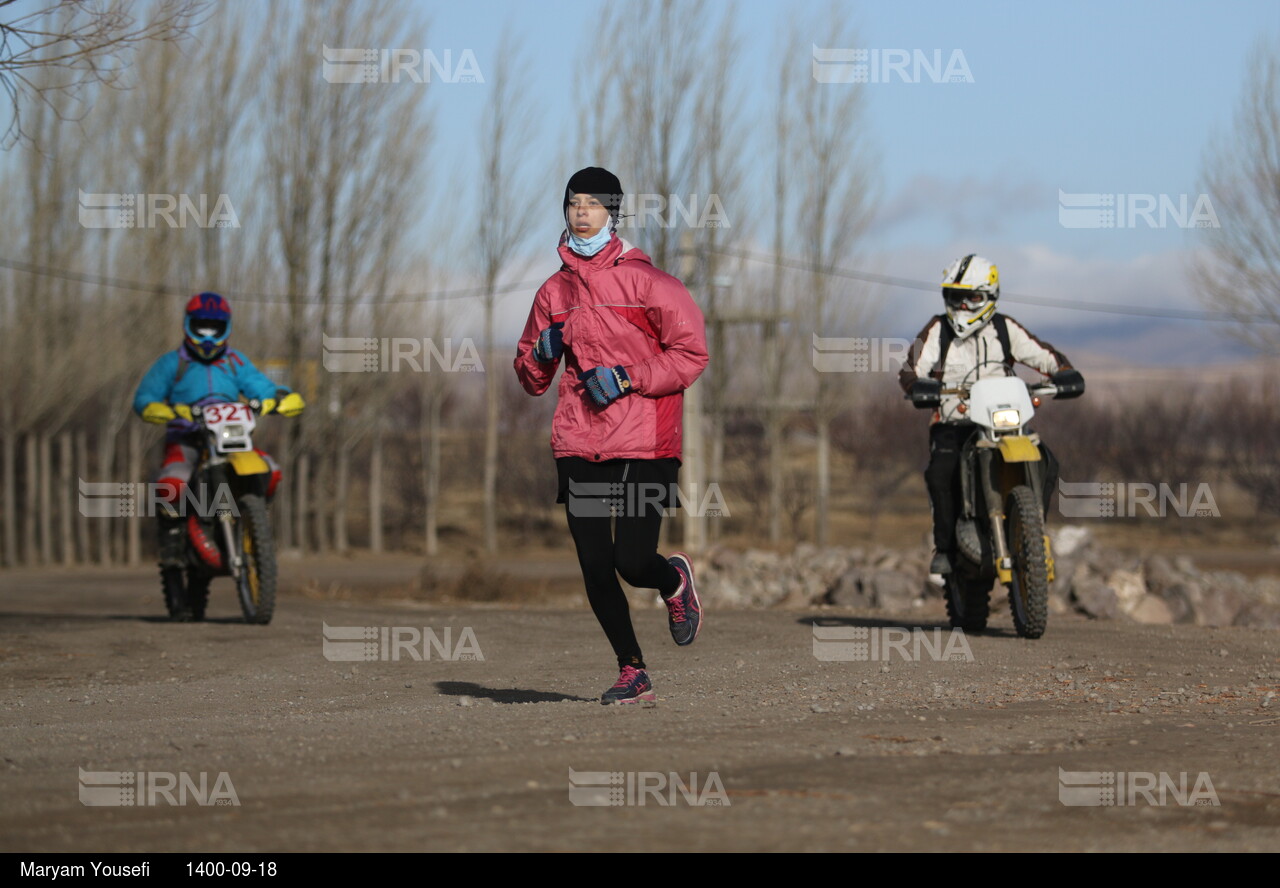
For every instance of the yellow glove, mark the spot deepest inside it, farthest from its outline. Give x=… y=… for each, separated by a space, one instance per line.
x=157 y=413
x=182 y=410
x=291 y=404
x=268 y=404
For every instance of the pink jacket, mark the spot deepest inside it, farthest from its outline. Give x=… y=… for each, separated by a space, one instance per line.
x=617 y=309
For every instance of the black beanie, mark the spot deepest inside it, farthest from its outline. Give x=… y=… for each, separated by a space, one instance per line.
x=600 y=184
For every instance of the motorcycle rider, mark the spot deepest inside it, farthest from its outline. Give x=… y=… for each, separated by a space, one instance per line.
x=202 y=368
x=968 y=341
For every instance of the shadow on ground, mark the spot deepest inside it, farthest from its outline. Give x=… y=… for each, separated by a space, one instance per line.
x=889 y=622
x=505 y=695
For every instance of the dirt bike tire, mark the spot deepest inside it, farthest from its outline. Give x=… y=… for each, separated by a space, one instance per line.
x=968 y=601
x=175 y=594
x=257 y=586
x=198 y=592
x=1029 y=591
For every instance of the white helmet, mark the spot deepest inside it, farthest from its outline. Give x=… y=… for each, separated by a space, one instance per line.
x=970 y=288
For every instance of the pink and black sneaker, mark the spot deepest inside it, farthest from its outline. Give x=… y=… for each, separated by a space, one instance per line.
x=684 y=610
x=633 y=686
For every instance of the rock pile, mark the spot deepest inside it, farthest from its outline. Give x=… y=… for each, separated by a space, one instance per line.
x=1090 y=579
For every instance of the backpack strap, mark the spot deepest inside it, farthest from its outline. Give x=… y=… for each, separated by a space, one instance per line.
x=1002 y=333
x=947 y=335
x=182 y=368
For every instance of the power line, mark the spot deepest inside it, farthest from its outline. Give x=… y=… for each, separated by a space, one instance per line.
x=1074 y=305
x=264 y=298
x=797 y=264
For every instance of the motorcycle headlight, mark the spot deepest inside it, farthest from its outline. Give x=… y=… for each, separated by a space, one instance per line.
x=232 y=430
x=1006 y=419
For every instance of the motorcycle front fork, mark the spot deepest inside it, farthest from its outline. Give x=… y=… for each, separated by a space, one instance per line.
x=234 y=559
x=995 y=511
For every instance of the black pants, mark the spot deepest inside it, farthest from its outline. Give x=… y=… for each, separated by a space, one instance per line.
x=614 y=510
x=942 y=477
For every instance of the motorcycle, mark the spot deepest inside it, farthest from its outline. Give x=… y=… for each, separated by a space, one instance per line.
x=231 y=536
x=1005 y=484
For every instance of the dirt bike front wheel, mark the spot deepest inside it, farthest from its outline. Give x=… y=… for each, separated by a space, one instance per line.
x=256 y=584
x=968 y=599
x=1029 y=591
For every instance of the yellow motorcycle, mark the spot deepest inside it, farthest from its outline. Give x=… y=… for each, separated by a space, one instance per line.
x=231 y=536
x=1006 y=476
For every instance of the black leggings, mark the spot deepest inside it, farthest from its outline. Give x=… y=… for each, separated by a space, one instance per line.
x=626 y=544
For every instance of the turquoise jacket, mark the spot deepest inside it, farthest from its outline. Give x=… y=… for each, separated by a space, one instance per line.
x=176 y=379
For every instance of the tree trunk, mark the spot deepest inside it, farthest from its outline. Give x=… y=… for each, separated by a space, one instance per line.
x=715 y=456
x=10 y=503
x=106 y=472
x=343 y=481
x=84 y=553
x=302 y=473
x=375 y=493
x=133 y=526
x=67 y=494
x=490 y=434
x=284 y=496
x=431 y=466
x=823 y=494
x=320 y=510
x=46 y=499
x=29 y=519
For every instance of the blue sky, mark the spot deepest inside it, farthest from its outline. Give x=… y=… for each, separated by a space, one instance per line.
x=1091 y=97
x=1084 y=97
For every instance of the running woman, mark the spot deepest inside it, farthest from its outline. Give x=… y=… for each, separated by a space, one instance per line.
x=632 y=340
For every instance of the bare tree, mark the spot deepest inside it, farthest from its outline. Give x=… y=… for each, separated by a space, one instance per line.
x=652 y=81
x=718 y=179
x=502 y=228
x=75 y=45
x=1240 y=272
x=331 y=150
x=834 y=175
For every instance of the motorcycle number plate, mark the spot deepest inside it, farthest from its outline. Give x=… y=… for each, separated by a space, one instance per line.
x=230 y=424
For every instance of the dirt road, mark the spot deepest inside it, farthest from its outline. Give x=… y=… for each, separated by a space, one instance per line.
x=884 y=746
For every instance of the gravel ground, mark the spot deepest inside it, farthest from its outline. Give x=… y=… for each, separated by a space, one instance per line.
x=800 y=753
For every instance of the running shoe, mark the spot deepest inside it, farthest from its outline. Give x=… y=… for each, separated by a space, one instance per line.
x=632 y=686
x=684 y=610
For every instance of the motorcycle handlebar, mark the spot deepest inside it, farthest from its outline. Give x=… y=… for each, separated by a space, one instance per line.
x=254 y=404
x=1035 y=388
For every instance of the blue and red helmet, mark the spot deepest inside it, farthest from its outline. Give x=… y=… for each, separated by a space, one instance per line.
x=207 y=326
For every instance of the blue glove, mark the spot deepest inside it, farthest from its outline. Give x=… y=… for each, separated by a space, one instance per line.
x=550 y=344
x=606 y=385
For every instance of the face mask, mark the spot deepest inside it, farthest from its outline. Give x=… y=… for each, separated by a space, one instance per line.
x=589 y=246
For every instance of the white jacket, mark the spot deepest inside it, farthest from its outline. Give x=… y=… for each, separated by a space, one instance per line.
x=982 y=350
